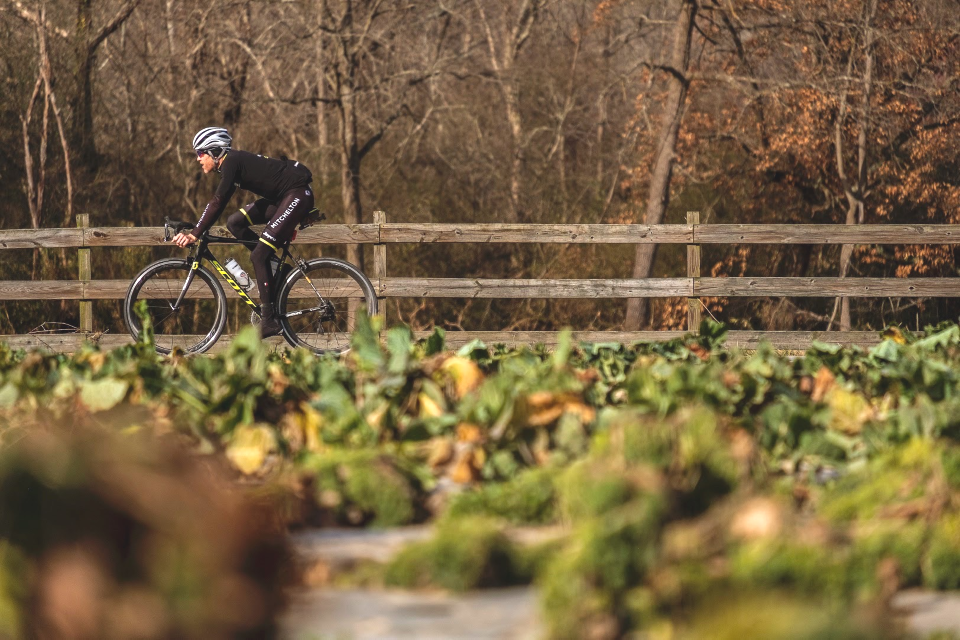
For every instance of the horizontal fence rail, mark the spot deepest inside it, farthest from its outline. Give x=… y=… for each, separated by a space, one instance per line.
x=788 y=340
x=572 y=289
x=424 y=233
x=382 y=233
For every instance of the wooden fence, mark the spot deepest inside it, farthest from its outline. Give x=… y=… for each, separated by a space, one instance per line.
x=381 y=233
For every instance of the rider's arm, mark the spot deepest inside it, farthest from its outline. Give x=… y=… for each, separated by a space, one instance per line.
x=228 y=185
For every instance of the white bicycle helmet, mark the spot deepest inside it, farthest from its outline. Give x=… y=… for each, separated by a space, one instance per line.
x=211 y=138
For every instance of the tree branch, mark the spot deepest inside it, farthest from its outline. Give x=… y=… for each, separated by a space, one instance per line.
x=118 y=19
x=375 y=138
x=33 y=17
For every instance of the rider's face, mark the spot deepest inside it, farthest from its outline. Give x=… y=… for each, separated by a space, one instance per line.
x=207 y=162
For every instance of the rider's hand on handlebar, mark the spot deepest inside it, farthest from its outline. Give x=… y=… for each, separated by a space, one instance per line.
x=184 y=239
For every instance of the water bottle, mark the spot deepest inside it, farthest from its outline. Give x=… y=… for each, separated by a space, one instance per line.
x=239 y=274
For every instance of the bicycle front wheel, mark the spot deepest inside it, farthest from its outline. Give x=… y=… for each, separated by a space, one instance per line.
x=195 y=324
x=319 y=305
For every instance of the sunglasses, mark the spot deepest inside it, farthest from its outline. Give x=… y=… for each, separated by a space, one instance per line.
x=201 y=152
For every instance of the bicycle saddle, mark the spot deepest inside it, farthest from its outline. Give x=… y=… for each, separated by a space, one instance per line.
x=313 y=217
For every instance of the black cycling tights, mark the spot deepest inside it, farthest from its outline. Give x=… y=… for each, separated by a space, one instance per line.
x=281 y=219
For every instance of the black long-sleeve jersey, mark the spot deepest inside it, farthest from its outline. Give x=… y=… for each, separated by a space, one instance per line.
x=269 y=178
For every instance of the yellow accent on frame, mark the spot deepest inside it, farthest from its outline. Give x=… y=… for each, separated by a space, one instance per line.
x=268 y=244
x=233 y=283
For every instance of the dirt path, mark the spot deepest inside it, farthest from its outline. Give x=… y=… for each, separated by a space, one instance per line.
x=492 y=614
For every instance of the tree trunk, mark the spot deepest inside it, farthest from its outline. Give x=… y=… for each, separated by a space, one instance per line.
x=82 y=101
x=235 y=75
x=846 y=253
x=323 y=138
x=350 y=171
x=503 y=64
x=519 y=149
x=85 y=45
x=658 y=196
x=857 y=192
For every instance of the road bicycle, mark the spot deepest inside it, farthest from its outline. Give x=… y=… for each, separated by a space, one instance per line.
x=317 y=300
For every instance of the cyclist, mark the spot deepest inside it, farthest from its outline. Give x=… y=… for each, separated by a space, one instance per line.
x=286 y=196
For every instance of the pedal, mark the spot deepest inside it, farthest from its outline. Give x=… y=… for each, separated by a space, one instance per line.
x=312 y=218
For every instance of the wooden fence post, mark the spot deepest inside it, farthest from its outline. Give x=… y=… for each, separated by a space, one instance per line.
x=380 y=264
x=83 y=261
x=693 y=271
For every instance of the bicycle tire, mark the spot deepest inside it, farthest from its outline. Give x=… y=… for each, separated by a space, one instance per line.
x=179 y=333
x=336 y=282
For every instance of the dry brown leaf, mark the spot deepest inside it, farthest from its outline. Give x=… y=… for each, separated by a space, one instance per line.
x=250 y=446
x=375 y=417
x=441 y=452
x=849 y=410
x=540 y=399
x=585 y=412
x=429 y=408
x=463 y=472
x=467 y=432
x=292 y=431
x=465 y=373
x=700 y=352
x=822 y=384
x=278 y=380
x=895 y=334
x=545 y=407
x=587 y=376
x=544 y=416
x=730 y=379
x=469 y=461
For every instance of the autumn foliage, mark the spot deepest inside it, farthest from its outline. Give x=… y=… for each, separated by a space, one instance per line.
x=813 y=112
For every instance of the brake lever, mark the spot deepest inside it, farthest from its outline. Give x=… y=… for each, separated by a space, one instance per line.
x=166 y=229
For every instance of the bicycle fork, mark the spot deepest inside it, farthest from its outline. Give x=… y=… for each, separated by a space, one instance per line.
x=186 y=285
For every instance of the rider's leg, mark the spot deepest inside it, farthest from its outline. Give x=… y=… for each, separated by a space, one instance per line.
x=258 y=212
x=290 y=210
x=260 y=257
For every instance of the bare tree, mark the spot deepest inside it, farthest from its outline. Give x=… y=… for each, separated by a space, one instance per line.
x=369 y=75
x=855 y=189
x=86 y=42
x=658 y=193
x=503 y=47
x=35 y=186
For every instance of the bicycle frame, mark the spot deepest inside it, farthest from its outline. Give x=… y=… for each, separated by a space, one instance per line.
x=203 y=252
x=315 y=310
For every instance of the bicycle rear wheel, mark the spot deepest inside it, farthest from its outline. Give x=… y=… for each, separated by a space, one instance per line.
x=195 y=324
x=319 y=310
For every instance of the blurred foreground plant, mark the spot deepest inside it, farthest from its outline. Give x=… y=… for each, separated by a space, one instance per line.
x=104 y=536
